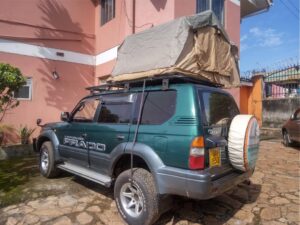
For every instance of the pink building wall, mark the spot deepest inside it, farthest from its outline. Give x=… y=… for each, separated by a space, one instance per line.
x=56 y=24
x=232 y=21
x=49 y=97
x=50 y=24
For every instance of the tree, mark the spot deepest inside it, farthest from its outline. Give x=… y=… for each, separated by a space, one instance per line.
x=11 y=80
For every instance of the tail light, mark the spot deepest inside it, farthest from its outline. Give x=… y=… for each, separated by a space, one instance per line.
x=196 y=158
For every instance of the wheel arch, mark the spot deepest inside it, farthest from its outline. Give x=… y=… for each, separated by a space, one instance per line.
x=143 y=154
x=48 y=135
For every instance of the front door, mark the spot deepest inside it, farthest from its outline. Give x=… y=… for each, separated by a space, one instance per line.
x=72 y=136
x=111 y=129
x=295 y=126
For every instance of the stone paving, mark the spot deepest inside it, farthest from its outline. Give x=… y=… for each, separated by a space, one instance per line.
x=272 y=198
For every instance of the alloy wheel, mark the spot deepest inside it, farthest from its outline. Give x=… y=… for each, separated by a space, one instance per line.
x=131 y=199
x=44 y=160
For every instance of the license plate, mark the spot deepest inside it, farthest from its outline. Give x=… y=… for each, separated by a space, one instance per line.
x=214 y=157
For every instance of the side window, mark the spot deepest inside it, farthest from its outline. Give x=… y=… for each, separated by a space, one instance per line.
x=159 y=106
x=86 y=110
x=218 y=108
x=115 y=113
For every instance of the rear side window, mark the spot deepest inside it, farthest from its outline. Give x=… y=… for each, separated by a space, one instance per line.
x=219 y=108
x=159 y=106
x=115 y=113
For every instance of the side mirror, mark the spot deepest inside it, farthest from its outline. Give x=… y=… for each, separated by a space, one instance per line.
x=38 y=122
x=293 y=116
x=65 y=116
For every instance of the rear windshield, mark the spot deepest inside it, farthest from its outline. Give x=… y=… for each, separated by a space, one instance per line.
x=218 y=108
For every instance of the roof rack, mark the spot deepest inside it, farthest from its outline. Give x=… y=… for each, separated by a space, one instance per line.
x=160 y=80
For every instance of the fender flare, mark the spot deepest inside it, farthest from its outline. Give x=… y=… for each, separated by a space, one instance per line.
x=145 y=152
x=50 y=135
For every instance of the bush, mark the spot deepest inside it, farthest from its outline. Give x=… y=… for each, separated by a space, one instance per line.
x=25 y=134
x=5 y=129
x=11 y=80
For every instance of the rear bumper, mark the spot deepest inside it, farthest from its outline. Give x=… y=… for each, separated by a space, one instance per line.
x=197 y=184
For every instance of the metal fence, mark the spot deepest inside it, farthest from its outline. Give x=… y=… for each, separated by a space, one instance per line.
x=279 y=83
x=283 y=83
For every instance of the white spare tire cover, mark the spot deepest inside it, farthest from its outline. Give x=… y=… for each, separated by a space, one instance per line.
x=243 y=142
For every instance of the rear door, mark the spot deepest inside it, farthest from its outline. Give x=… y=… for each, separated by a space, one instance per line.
x=217 y=110
x=110 y=130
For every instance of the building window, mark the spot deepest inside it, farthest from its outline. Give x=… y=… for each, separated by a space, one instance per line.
x=107 y=10
x=217 y=6
x=24 y=93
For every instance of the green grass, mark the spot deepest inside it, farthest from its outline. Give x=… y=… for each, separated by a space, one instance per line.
x=14 y=174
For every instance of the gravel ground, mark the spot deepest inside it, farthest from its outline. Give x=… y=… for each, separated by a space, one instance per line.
x=271 y=198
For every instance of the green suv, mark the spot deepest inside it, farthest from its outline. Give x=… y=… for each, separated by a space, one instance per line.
x=168 y=137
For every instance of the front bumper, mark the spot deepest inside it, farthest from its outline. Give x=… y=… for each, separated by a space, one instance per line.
x=197 y=184
x=34 y=142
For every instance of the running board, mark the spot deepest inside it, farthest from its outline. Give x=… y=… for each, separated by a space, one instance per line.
x=86 y=173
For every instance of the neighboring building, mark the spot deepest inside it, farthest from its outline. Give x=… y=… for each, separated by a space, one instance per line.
x=64 y=46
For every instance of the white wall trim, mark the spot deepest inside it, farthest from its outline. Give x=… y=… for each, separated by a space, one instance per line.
x=237 y=2
x=107 y=56
x=19 y=48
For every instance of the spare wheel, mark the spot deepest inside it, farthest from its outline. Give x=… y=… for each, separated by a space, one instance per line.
x=243 y=142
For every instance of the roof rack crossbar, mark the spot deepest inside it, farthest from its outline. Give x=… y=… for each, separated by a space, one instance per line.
x=166 y=80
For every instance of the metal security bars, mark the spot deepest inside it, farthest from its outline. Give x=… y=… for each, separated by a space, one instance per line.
x=282 y=83
x=277 y=83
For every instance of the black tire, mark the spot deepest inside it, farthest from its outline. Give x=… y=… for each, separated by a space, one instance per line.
x=49 y=171
x=286 y=139
x=146 y=192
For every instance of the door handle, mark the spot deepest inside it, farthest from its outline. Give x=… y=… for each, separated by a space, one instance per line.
x=120 y=137
x=84 y=135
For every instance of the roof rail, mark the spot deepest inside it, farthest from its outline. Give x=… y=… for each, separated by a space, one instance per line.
x=159 y=80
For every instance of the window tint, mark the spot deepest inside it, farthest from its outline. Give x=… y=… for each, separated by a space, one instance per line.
x=159 y=106
x=115 y=113
x=218 y=108
x=86 y=110
x=107 y=11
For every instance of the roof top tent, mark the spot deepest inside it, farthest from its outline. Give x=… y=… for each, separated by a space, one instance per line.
x=195 y=46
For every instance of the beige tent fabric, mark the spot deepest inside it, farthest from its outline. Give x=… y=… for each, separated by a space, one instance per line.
x=205 y=54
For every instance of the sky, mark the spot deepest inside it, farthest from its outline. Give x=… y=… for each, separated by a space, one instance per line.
x=270 y=40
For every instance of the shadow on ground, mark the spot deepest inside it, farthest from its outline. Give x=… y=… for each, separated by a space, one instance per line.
x=20 y=182
x=214 y=211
